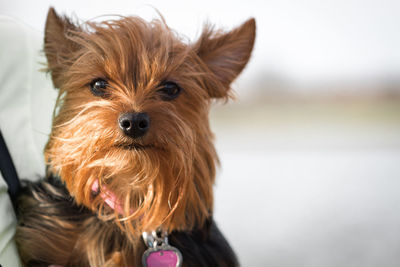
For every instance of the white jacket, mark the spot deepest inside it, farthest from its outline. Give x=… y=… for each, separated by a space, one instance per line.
x=27 y=99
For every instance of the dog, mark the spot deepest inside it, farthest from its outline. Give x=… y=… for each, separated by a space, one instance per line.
x=130 y=158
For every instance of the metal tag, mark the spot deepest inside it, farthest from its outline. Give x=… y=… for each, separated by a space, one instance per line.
x=163 y=256
x=159 y=252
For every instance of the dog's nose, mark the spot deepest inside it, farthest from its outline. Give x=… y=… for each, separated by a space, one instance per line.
x=134 y=124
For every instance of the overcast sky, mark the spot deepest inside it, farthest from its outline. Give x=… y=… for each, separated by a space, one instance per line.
x=303 y=41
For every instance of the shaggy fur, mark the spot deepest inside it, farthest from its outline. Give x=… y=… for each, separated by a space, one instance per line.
x=163 y=179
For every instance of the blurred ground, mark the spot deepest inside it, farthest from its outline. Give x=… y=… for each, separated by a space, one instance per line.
x=310 y=181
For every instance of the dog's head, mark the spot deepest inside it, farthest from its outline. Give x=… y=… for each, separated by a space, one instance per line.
x=131 y=128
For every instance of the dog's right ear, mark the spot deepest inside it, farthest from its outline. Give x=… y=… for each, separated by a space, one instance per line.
x=58 y=45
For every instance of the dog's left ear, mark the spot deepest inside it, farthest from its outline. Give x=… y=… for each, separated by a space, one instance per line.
x=226 y=54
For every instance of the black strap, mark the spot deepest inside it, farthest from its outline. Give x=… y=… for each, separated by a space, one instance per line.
x=8 y=171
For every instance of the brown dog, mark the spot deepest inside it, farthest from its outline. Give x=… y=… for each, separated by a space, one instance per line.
x=131 y=150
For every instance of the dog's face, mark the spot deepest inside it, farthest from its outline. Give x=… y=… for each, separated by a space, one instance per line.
x=131 y=137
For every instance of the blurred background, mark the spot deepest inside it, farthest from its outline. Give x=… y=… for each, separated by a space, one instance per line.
x=310 y=150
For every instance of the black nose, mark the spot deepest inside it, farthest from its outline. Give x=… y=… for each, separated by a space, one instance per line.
x=134 y=124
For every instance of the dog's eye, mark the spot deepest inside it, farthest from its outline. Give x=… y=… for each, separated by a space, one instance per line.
x=98 y=87
x=169 y=90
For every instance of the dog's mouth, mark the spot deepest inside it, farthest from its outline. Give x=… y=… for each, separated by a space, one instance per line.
x=108 y=196
x=132 y=146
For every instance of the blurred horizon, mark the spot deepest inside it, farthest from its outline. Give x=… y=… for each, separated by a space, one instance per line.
x=305 y=45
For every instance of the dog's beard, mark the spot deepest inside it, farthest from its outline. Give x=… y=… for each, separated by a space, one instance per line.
x=143 y=182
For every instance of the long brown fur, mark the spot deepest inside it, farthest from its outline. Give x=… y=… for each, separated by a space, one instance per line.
x=169 y=184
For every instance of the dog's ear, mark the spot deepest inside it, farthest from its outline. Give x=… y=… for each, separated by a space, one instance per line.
x=226 y=54
x=58 y=45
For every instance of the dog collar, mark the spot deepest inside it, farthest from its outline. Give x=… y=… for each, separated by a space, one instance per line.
x=159 y=253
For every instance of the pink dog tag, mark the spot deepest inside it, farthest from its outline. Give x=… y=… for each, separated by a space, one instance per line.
x=164 y=256
x=159 y=252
